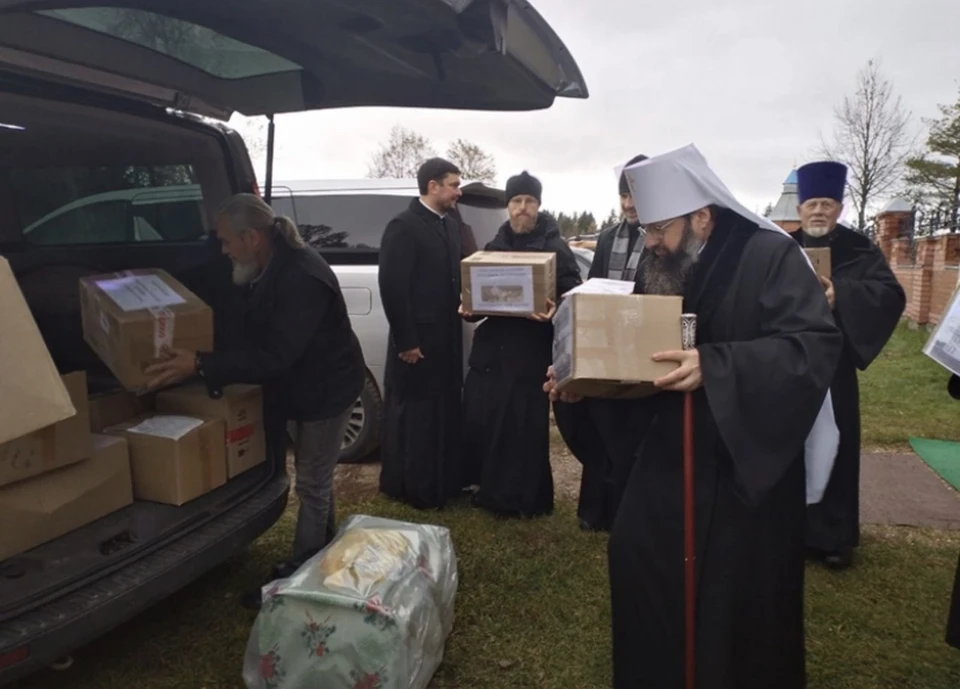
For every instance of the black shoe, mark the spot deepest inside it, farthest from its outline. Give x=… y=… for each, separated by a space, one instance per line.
x=839 y=560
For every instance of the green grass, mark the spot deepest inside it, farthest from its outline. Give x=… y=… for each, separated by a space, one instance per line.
x=533 y=612
x=904 y=393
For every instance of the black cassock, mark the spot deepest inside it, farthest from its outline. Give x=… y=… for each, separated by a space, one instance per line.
x=768 y=348
x=953 y=619
x=869 y=304
x=602 y=434
x=420 y=289
x=506 y=413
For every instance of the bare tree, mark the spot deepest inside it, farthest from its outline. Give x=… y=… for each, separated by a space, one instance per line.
x=475 y=164
x=871 y=138
x=253 y=130
x=400 y=157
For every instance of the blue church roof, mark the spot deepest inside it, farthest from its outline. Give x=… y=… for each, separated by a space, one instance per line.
x=791 y=178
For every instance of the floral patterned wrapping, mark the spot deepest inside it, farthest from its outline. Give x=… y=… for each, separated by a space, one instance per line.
x=372 y=610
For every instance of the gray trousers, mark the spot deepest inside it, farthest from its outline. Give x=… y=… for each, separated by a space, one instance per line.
x=315 y=458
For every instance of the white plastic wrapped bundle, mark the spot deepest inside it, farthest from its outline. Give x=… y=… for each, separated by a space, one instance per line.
x=372 y=610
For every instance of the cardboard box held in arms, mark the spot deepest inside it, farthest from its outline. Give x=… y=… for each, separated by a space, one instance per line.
x=54 y=446
x=820 y=258
x=129 y=317
x=602 y=343
x=241 y=410
x=500 y=283
x=32 y=392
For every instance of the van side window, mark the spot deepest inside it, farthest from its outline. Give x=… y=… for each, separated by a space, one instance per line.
x=347 y=222
x=109 y=205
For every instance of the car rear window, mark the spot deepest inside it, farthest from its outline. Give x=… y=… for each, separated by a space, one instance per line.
x=108 y=205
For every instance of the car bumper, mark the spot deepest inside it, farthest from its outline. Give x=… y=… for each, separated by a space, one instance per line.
x=50 y=632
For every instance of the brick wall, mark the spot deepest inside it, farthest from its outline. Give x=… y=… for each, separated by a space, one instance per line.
x=928 y=274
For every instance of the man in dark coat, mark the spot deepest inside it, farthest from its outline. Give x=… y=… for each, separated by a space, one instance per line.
x=297 y=342
x=506 y=415
x=419 y=277
x=595 y=432
x=759 y=376
x=867 y=303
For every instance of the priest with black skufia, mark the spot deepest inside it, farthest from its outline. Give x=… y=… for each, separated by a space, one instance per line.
x=505 y=413
x=603 y=434
x=867 y=303
x=766 y=349
x=419 y=278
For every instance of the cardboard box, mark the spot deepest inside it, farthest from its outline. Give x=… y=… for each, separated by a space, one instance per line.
x=59 y=445
x=240 y=409
x=603 y=343
x=500 y=283
x=46 y=507
x=820 y=257
x=129 y=317
x=113 y=408
x=31 y=391
x=174 y=459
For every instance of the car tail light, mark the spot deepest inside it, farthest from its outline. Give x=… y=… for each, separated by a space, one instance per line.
x=11 y=658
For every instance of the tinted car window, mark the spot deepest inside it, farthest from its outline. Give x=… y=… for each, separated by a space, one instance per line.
x=102 y=205
x=353 y=224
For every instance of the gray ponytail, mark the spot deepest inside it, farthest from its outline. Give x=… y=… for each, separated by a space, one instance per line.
x=250 y=212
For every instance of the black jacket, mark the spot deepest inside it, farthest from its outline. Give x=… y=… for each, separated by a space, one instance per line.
x=297 y=341
x=521 y=346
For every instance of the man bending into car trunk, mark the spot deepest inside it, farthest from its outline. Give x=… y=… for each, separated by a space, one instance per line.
x=298 y=344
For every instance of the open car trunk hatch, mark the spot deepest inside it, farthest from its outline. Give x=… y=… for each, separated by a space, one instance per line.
x=217 y=57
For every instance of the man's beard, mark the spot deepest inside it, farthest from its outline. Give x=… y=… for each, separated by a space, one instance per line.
x=245 y=273
x=523 y=224
x=818 y=231
x=667 y=274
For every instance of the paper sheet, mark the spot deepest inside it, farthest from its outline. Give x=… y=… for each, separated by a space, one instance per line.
x=943 y=345
x=135 y=292
x=563 y=342
x=502 y=288
x=602 y=286
x=173 y=427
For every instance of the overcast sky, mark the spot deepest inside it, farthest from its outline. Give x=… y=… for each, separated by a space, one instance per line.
x=752 y=85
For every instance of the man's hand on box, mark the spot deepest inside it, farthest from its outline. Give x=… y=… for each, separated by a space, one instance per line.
x=550 y=387
x=684 y=378
x=178 y=365
x=545 y=317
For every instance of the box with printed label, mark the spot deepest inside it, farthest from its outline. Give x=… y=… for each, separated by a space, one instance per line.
x=174 y=459
x=603 y=343
x=820 y=258
x=129 y=317
x=46 y=507
x=240 y=408
x=58 y=445
x=31 y=390
x=501 y=283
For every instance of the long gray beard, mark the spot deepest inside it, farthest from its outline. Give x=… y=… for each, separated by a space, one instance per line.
x=668 y=274
x=245 y=273
x=818 y=232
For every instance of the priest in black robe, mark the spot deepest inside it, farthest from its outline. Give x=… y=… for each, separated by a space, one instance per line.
x=867 y=303
x=419 y=277
x=953 y=619
x=766 y=351
x=506 y=416
x=598 y=432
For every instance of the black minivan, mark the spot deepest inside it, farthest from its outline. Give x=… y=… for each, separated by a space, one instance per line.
x=102 y=102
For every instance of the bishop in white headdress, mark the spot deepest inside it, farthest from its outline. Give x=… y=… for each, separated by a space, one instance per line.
x=767 y=347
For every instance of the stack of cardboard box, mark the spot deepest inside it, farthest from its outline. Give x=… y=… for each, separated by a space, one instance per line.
x=55 y=475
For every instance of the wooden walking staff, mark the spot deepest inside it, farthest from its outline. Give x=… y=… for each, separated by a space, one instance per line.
x=688 y=339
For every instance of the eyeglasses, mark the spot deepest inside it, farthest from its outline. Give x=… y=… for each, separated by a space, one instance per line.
x=661 y=227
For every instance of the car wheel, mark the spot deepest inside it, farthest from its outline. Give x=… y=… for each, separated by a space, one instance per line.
x=362 y=437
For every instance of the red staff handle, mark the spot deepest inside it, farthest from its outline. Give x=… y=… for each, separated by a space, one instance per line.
x=688 y=332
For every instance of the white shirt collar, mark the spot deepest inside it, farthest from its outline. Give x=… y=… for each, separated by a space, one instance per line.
x=439 y=215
